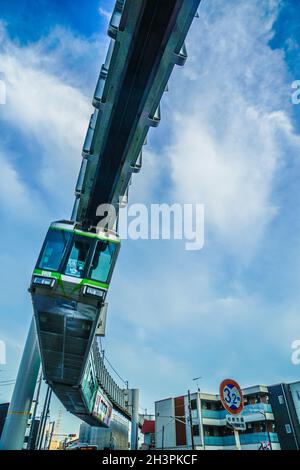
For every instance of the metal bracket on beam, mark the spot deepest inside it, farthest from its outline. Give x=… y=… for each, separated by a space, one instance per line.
x=114 y=23
x=90 y=134
x=136 y=168
x=103 y=76
x=100 y=87
x=180 y=59
x=155 y=120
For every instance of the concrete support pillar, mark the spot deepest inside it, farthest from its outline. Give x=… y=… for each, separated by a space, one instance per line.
x=134 y=395
x=20 y=405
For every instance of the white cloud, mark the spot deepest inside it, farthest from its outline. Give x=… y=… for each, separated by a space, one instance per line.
x=105 y=13
x=173 y=315
x=228 y=137
x=14 y=195
x=47 y=110
x=227 y=112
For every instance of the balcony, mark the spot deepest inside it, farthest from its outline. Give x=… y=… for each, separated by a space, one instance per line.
x=248 y=410
x=253 y=438
x=258 y=437
x=219 y=441
x=214 y=414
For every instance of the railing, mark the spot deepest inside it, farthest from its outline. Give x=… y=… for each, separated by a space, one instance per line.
x=258 y=437
x=220 y=441
x=249 y=409
x=253 y=438
x=116 y=394
x=214 y=414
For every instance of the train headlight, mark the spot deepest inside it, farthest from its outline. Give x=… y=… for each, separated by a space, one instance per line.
x=93 y=291
x=43 y=281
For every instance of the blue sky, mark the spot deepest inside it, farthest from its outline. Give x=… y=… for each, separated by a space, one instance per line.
x=229 y=139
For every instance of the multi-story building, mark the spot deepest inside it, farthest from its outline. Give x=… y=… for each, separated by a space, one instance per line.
x=115 y=437
x=265 y=425
x=148 y=431
x=285 y=402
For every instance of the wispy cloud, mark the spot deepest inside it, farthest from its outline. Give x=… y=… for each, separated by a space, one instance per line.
x=43 y=124
x=105 y=13
x=46 y=109
x=230 y=137
x=233 y=147
x=174 y=315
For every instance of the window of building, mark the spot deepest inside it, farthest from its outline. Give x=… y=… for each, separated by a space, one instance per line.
x=288 y=429
x=298 y=394
x=193 y=404
x=196 y=431
x=280 y=399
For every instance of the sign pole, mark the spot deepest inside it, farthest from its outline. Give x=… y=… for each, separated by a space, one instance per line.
x=231 y=396
x=237 y=439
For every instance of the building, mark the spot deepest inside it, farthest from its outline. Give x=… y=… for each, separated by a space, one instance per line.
x=285 y=402
x=271 y=414
x=148 y=430
x=115 y=437
x=30 y=440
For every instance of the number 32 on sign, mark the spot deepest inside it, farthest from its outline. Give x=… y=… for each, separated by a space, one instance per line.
x=231 y=396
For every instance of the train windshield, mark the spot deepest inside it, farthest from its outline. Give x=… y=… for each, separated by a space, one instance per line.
x=78 y=257
x=103 y=260
x=54 y=249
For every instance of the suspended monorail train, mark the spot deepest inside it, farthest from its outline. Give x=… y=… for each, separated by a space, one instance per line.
x=68 y=289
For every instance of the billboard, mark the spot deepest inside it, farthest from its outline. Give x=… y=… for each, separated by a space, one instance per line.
x=89 y=385
x=102 y=408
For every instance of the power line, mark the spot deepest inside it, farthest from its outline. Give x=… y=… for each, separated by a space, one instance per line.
x=110 y=364
x=8 y=383
x=124 y=381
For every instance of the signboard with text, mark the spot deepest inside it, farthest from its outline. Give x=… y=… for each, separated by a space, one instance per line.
x=236 y=422
x=102 y=408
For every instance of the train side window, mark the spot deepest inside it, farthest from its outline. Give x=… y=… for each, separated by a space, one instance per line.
x=54 y=249
x=78 y=257
x=102 y=261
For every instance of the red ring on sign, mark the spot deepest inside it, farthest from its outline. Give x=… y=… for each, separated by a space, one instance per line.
x=235 y=384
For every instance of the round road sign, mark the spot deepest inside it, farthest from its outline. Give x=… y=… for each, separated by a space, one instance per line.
x=231 y=396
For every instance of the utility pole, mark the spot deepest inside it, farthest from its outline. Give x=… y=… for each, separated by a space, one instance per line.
x=51 y=435
x=36 y=402
x=191 y=422
x=44 y=418
x=196 y=379
x=264 y=414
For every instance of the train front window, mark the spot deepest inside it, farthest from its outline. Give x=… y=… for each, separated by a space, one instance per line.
x=103 y=260
x=78 y=256
x=54 y=249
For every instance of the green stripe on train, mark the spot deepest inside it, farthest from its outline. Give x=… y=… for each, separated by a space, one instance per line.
x=90 y=282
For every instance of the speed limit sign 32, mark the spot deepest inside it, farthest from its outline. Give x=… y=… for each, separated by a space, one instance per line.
x=231 y=396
